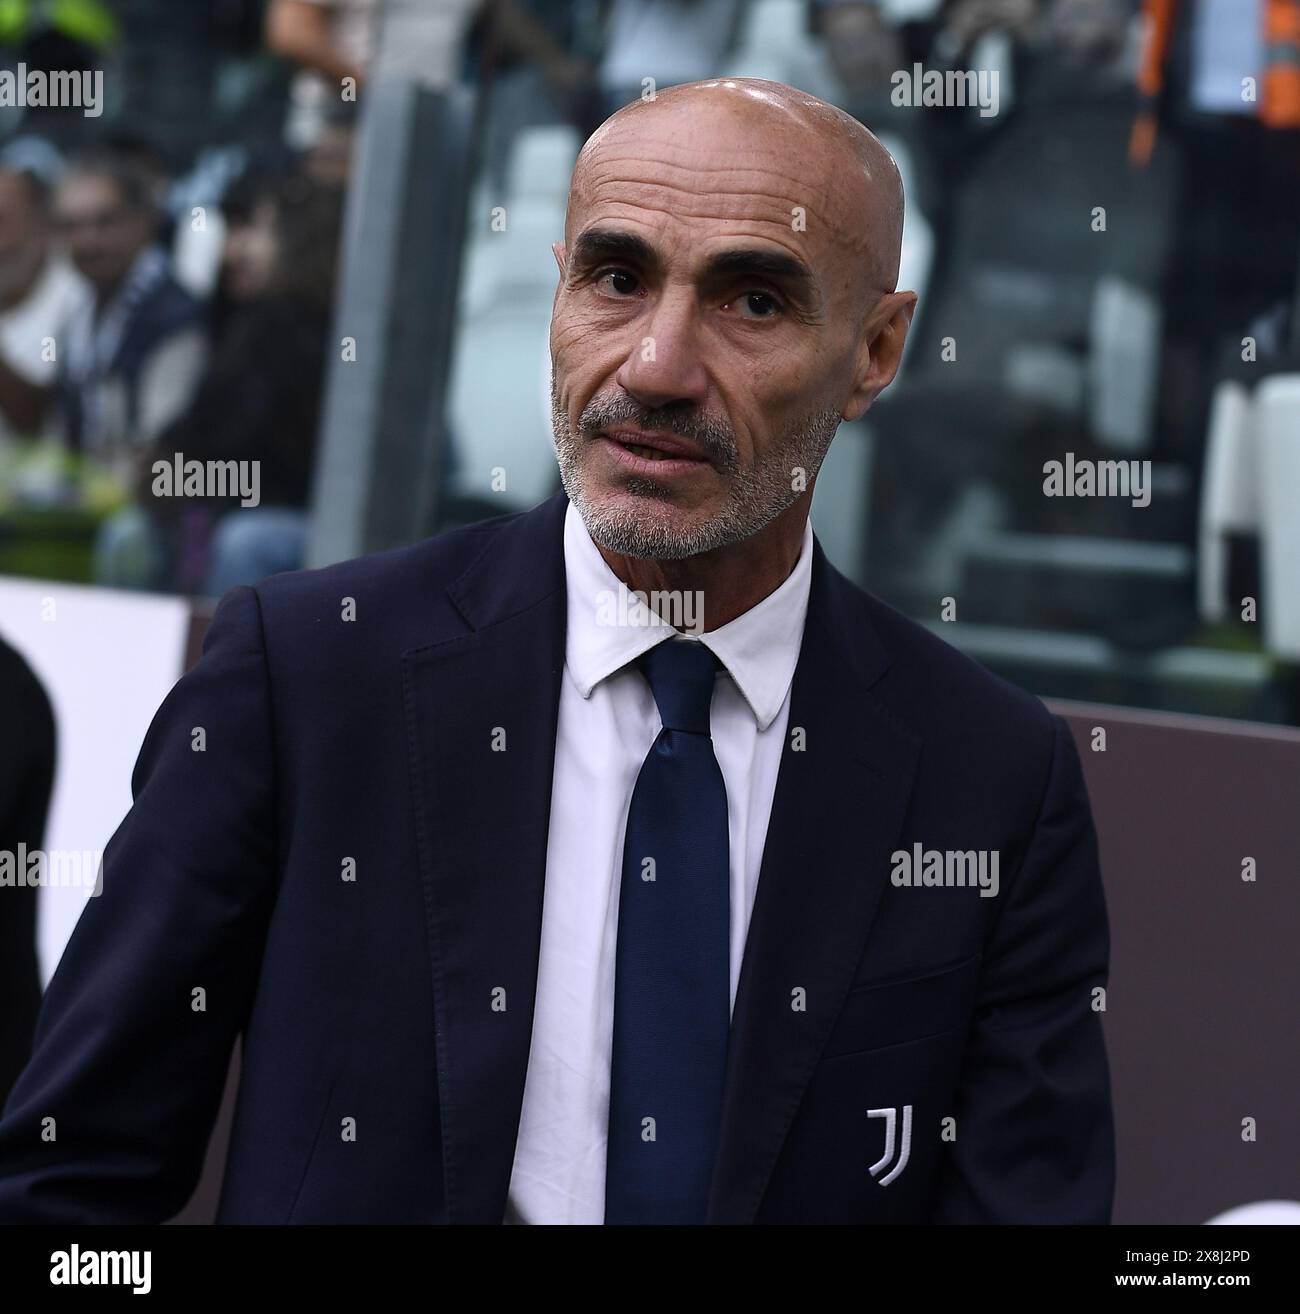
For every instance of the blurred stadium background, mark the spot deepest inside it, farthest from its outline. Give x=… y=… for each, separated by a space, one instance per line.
x=182 y=251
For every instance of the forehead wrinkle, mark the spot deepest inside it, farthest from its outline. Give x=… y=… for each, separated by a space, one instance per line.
x=855 y=202
x=696 y=200
x=845 y=182
x=773 y=165
x=734 y=206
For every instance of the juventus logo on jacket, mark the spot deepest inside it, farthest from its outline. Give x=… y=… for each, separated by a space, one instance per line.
x=891 y=1126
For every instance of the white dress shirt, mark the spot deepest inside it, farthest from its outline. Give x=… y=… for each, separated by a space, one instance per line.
x=607 y=722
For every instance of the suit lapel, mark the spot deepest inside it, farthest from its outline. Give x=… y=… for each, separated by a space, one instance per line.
x=481 y=716
x=836 y=816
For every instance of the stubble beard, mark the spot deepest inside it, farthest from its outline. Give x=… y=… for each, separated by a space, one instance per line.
x=640 y=520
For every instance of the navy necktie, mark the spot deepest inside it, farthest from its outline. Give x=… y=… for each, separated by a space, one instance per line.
x=672 y=997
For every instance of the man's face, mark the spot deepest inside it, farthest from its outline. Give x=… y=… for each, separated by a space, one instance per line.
x=22 y=234
x=251 y=250
x=103 y=234
x=704 y=333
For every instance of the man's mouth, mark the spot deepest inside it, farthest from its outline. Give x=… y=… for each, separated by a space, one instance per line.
x=649 y=453
x=655 y=447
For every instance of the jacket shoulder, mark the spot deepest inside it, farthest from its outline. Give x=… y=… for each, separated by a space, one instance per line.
x=946 y=691
x=420 y=570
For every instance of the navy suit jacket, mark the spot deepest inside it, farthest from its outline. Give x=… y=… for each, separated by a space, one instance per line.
x=345 y=723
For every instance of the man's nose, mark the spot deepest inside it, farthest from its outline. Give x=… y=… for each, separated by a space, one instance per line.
x=664 y=363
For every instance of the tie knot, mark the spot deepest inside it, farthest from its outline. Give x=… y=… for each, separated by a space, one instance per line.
x=680 y=675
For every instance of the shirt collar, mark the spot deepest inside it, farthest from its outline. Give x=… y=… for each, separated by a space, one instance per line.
x=609 y=626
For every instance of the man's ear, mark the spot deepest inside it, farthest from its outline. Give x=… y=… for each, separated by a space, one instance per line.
x=882 y=351
x=557 y=250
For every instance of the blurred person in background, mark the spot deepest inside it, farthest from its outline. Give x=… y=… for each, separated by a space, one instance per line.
x=535 y=59
x=131 y=361
x=331 y=42
x=260 y=398
x=863 y=44
x=250 y=250
x=26 y=779
x=39 y=293
x=136 y=152
x=1221 y=79
x=333 y=45
x=1024 y=41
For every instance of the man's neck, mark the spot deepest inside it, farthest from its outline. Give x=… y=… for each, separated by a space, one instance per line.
x=729 y=581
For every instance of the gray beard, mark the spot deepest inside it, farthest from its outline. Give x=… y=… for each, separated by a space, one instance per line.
x=648 y=529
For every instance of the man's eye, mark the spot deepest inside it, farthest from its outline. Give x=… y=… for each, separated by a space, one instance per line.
x=758 y=305
x=621 y=287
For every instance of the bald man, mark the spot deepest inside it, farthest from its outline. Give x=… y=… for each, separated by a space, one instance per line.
x=619 y=861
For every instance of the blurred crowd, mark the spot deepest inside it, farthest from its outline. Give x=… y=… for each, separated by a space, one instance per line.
x=167 y=265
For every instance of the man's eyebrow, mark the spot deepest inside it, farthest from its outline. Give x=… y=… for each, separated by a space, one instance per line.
x=600 y=244
x=761 y=262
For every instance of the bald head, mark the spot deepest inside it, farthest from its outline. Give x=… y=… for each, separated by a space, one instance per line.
x=847 y=181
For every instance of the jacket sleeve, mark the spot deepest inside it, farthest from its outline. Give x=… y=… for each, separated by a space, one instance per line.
x=26 y=779
x=1034 y=1130
x=110 y=1119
